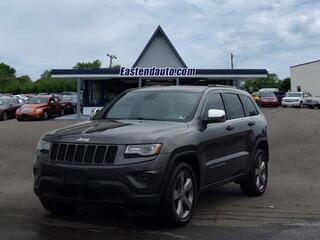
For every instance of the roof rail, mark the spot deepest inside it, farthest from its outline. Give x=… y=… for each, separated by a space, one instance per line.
x=220 y=85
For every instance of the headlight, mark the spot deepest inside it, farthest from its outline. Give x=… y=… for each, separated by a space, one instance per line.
x=39 y=110
x=143 y=149
x=43 y=145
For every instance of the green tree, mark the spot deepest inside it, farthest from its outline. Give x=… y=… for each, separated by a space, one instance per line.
x=88 y=65
x=7 y=71
x=285 y=85
x=253 y=85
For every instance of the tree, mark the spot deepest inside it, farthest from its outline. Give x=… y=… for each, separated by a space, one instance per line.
x=116 y=66
x=88 y=65
x=7 y=71
x=272 y=81
x=285 y=85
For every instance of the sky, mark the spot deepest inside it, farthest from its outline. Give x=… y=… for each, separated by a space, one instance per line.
x=36 y=35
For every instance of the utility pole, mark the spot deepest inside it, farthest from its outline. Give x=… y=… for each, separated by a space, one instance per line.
x=231 y=56
x=111 y=58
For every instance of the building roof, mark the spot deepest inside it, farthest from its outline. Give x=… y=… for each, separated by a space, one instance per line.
x=302 y=64
x=160 y=31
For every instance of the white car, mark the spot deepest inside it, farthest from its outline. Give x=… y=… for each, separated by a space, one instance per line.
x=295 y=99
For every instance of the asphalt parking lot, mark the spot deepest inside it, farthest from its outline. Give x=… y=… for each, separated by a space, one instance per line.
x=289 y=209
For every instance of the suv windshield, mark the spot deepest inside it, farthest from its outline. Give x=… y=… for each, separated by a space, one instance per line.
x=294 y=94
x=37 y=100
x=155 y=105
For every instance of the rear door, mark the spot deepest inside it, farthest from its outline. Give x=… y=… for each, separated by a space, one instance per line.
x=237 y=154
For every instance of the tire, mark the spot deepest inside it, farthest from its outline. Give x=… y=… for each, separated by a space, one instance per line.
x=45 y=116
x=284 y=106
x=4 y=116
x=311 y=107
x=53 y=206
x=180 y=196
x=301 y=105
x=255 y=183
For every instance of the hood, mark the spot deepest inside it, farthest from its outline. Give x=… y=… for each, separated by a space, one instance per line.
x=116 y=132
x=34 y=106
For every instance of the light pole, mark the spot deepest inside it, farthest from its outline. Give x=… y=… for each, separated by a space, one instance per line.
x=231 y=56
x=111 y=58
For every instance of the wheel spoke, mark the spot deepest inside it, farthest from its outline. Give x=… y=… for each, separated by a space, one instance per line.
x=179 y=209
x=188 y=185
x=258 y=182
x=187 y=203
x=262 y=166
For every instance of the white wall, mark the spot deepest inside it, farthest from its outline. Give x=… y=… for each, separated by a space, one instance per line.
x=159 y=54
x=307 y=76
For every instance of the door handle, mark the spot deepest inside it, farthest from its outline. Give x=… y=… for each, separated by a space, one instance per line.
x=250 y=124
x=229 y=128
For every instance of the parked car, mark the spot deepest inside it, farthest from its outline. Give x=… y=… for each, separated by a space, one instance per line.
x=69 y=103
x=268 y=90
x=40 y=107
x=295 y=99
x=154 y=150
x=268 y=99
x=280 y=95
x=8 y=107
x=312 y=102
x=256 y=97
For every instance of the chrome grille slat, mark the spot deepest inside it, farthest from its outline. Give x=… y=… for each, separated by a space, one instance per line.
x=83 y=154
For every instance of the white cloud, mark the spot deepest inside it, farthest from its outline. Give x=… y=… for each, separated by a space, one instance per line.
x=274 y=34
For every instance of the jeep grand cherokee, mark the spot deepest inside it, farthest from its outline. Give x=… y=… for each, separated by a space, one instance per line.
x=155 y=149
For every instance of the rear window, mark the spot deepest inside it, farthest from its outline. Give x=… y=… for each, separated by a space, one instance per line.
x=249 y=108
x=233 y=106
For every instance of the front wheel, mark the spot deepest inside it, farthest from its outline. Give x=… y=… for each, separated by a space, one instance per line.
x=180 y=195
x=45 y=116
x=301 y=105
x=4 y=116
x=255 y=183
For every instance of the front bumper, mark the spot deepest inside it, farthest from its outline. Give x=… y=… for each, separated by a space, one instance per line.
x=271 y=104
x=290 y=104
x=29 y=116
x=134 y=185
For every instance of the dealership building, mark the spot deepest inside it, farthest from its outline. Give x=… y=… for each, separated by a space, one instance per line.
x=159 y=63
x=306 y=77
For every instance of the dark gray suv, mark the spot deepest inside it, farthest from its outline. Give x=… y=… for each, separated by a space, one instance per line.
x=154 y=149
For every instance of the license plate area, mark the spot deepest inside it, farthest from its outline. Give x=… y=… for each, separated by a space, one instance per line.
x=75 y=177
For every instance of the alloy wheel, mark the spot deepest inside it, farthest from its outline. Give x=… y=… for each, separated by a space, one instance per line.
x=261 y=173
x=183 y=195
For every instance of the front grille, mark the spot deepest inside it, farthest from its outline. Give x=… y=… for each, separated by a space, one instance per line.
x=83 y=153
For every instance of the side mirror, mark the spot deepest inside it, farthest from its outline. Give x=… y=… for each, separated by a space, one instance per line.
x=214 y=116
x=94 y=112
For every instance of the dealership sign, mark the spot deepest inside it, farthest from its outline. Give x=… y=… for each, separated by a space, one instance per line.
x=154 y=71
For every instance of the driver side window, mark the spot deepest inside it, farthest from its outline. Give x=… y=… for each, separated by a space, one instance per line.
x=213 y=101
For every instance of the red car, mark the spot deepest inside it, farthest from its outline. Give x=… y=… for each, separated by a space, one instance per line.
x=40 y=107
x=268 y=99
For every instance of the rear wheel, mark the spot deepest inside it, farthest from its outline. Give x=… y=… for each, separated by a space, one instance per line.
x=4 y=115
x=255 y=183
x=57 y=207
x=180 y=195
